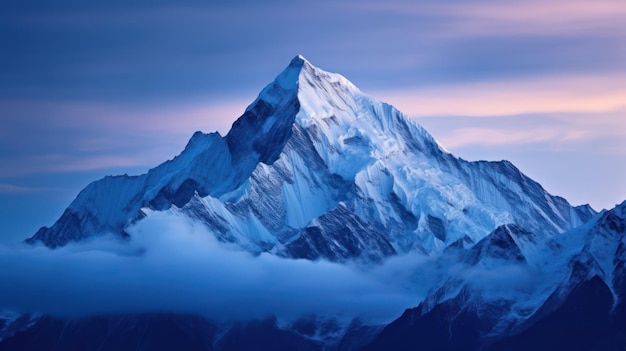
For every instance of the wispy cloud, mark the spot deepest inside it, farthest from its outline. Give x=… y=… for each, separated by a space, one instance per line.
x=104 y=15
x=509 y=18
x=173 y=117
x=14 y=189
x=88 y=163
x=568 y=93
x=459 y=18
x=540 y=17
x=486 y=136
x=43 y=136
x=560 y=110
x=567 y=128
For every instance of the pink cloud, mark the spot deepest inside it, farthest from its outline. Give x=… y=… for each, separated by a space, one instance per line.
x=500 y=136
x=468 y=136
x=559 y=130
x=506 y=18
x=7 y=188
x=93 y=163
x=49 y=136
x=45 y=163
x=539 y=17
x=13 y=189
x=497 y=98
x=209 y=117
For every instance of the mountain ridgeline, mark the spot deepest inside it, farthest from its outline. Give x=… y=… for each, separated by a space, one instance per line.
x=315 y=169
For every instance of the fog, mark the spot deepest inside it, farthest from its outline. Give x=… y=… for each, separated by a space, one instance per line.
x=173 y=266
x=170 y=265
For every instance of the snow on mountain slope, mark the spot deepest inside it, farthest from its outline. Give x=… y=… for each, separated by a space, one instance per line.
x=513 y=280
x=314 y=168
x=593 y=250
x=512 y=290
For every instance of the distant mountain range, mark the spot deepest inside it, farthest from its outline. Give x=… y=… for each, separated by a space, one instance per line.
x=314 y=169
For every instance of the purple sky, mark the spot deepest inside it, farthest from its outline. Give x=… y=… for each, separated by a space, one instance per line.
x=106 y=87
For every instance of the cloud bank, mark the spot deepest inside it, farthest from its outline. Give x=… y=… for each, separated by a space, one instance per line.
x=172 y=266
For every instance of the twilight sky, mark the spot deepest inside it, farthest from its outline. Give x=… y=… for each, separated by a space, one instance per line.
x=94 y=88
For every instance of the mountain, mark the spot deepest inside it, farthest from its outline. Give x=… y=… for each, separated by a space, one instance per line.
x=315 y=169
x=577 y=305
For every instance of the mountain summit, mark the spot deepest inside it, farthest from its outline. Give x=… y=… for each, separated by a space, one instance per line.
x=314 y=169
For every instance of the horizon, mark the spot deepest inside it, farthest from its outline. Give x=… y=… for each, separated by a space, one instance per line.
x=86 y=92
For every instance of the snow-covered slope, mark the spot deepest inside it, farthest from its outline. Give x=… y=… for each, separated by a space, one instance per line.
x=514 y=290
x=314 y=168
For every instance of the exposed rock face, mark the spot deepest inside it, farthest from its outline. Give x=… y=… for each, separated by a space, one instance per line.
x=315 y=169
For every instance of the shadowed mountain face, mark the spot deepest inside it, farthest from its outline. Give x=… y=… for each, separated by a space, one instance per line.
x=316 y=170
x=585 y=310
x=582 y=322
x=154 y=332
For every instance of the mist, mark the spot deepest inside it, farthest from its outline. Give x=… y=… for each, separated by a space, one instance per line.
x=170 y=265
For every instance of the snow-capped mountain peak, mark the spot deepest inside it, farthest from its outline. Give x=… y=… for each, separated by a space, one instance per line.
x=315 y=168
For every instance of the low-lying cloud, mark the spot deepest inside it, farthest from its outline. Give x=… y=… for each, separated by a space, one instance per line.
x=172 y=266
